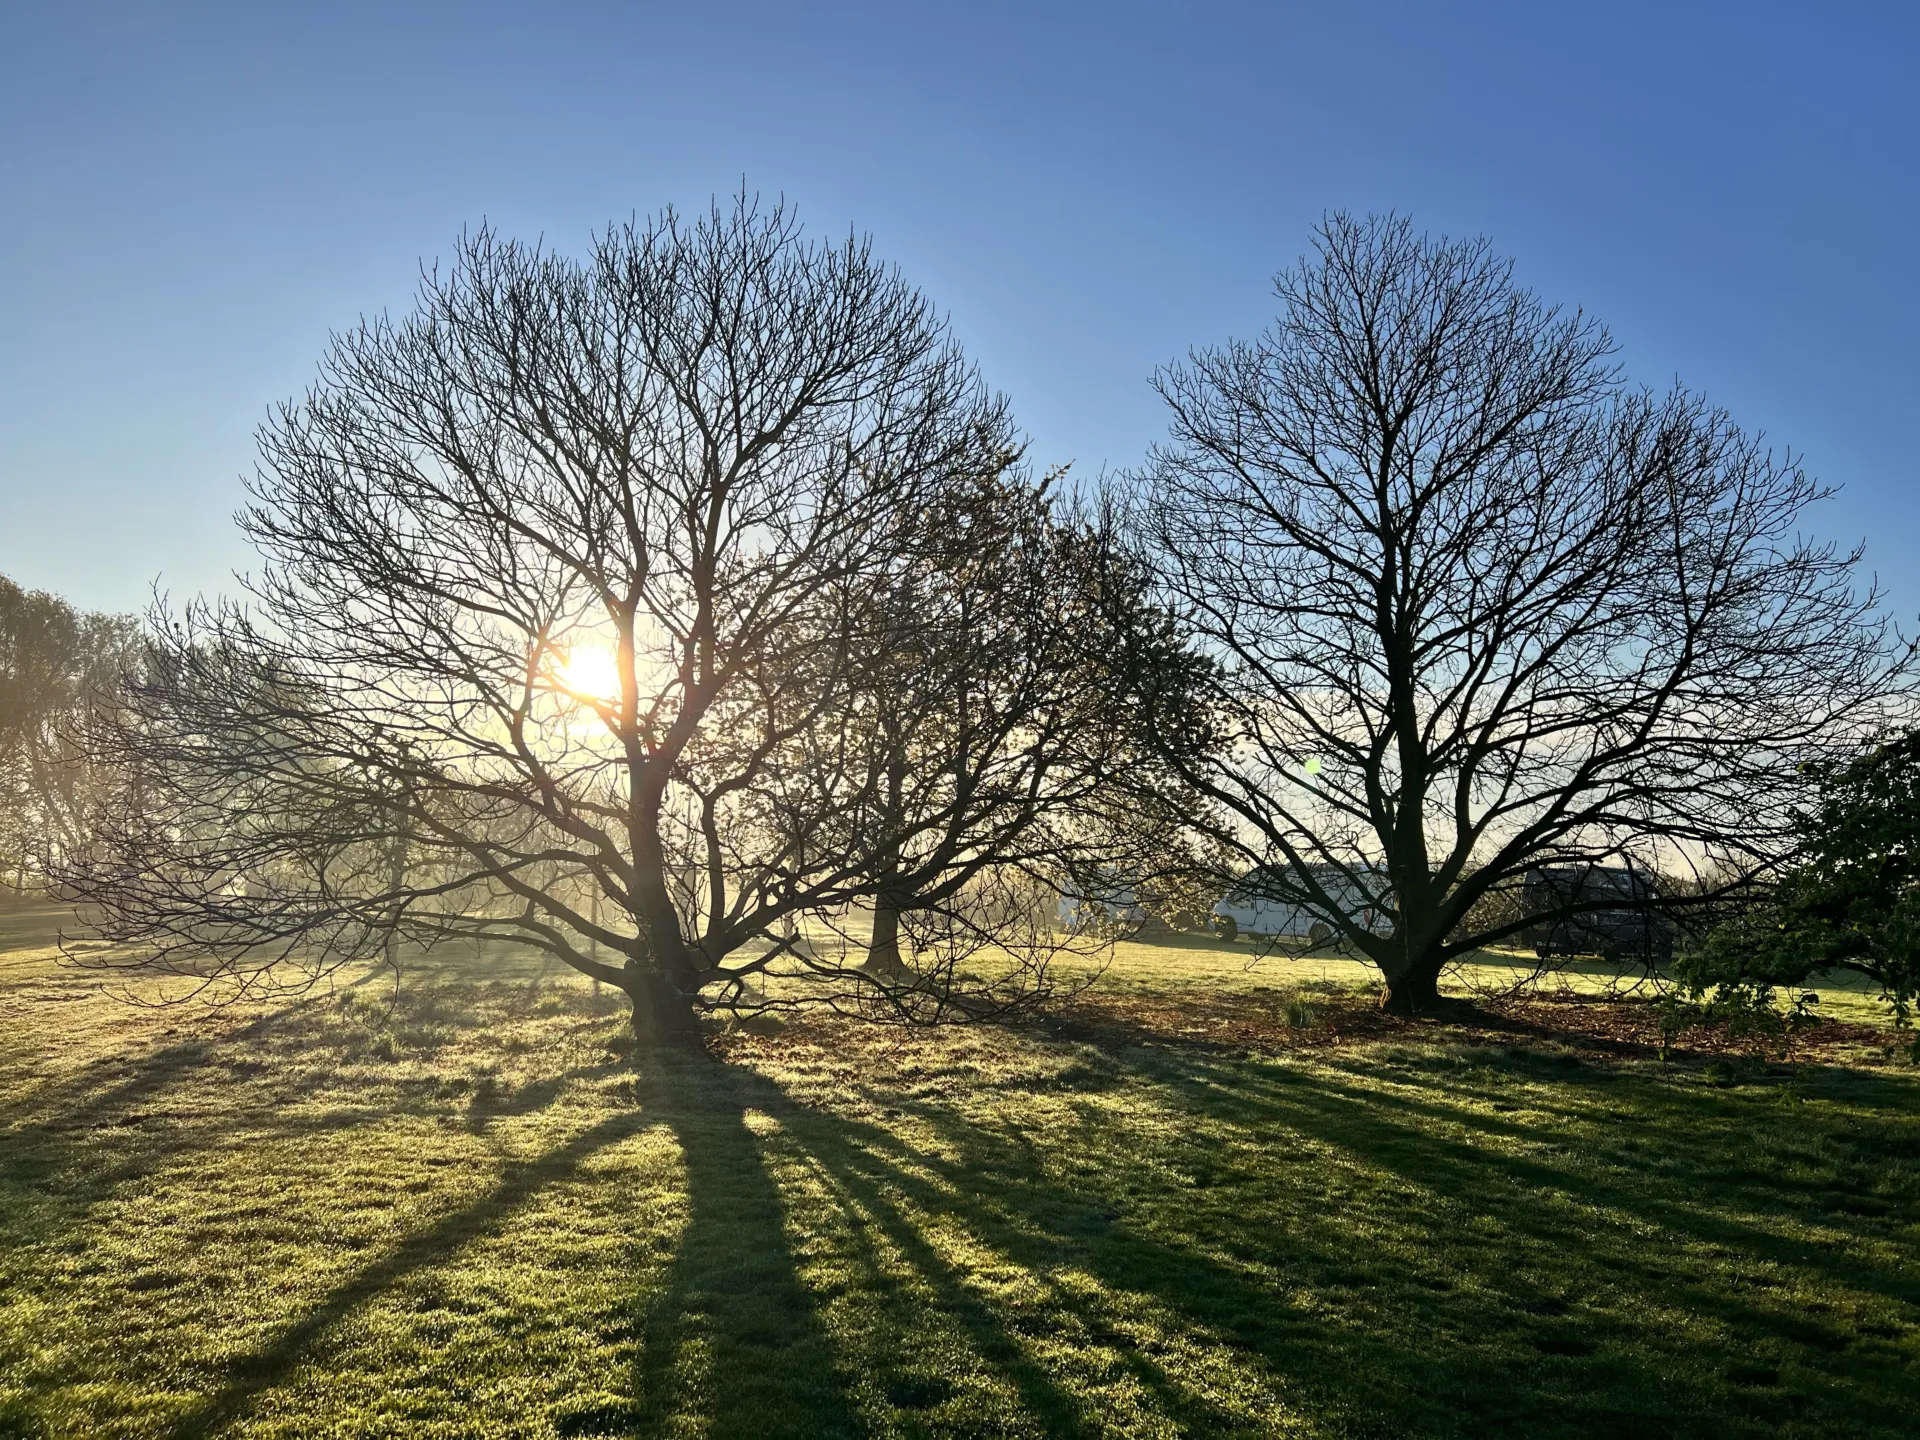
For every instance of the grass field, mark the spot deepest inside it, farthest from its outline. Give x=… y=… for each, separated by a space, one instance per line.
x=1206 y=1199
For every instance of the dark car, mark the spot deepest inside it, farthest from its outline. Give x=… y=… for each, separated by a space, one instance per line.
x=1618 y=918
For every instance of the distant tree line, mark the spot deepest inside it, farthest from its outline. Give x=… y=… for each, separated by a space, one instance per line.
x=689 y=612
x=58 y=666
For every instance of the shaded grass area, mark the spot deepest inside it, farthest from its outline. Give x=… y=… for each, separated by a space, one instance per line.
x=461 y=1209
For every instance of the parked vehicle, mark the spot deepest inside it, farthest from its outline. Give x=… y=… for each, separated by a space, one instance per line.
x=1618 y=921
x=1265 y=901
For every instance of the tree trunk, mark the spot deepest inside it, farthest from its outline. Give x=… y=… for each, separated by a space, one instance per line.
x=883 y=948
x=663 y=1016
x=1415 y=991
x=396 y=884
x=660 y=976
x=659 y=947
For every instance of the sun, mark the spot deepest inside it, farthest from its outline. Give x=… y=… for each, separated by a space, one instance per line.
x=591 y=672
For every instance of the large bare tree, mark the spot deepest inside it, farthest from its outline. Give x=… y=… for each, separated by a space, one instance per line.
x=1482 y=606
x=567 y=594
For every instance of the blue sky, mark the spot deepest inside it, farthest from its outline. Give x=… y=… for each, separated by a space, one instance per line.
x=191 y=196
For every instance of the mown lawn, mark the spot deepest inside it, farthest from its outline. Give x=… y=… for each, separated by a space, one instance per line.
x=461 y=1210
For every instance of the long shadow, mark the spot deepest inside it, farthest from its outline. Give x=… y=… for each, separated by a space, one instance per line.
x=109 y=1095
x=108 y=1085
x=71 y=1144
x=732 y=1336
x=1385 y=1130
x=1047 y=1229
x=832 y=1147
x=735 y=1344
x=1453 y=1353
x=68 y=1145
x=95 y=1121
x=250 y=1375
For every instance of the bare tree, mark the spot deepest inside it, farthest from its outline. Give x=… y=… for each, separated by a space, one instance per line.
x=565 y=582
x=1481 y=606
x=997 y=728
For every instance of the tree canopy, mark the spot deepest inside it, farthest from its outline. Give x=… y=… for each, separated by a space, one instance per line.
x=603 y=602
x=689 y=611
x=1480 y=605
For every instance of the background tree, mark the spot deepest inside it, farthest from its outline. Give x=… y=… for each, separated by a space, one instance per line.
x=1479 y=605
x=1850 y=901
x=997 y=722
x=56 y=665
x=563 y=604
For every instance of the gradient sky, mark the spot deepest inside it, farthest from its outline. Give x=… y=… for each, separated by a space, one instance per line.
x=191 y=197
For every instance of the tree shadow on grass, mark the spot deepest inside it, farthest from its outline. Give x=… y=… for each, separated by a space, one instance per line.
x=69 y=1145
x=1358 y=1285
x=117 y=1117
x=732 y=1344
x=1724 y=1194
x=1455 y=1289
x=729 y=1341
x=901 y=1372
x=259 y=1371
x=1012 y=1214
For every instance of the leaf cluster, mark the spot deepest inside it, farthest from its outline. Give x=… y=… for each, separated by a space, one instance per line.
x=1851 y=900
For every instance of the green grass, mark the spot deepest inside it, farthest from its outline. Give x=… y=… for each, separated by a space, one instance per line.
x=459 y=1210
x=1228 y=966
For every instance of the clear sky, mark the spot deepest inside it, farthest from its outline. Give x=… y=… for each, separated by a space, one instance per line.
x=191 y=196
